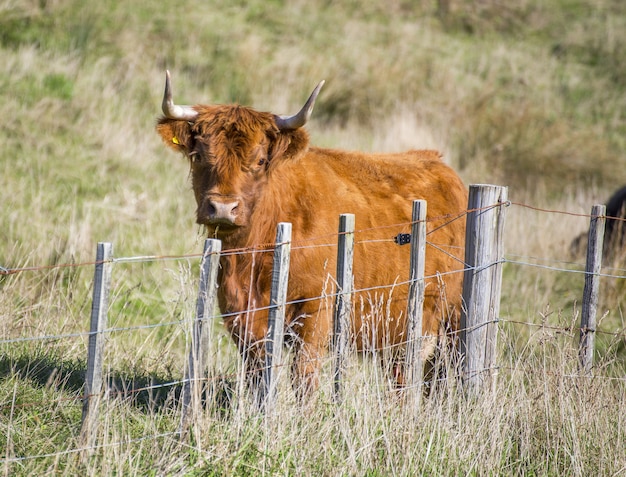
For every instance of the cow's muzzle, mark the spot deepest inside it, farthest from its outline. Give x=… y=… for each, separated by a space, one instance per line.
x=225 y=212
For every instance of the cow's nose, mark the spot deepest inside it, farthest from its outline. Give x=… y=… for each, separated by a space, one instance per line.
x=222 y=212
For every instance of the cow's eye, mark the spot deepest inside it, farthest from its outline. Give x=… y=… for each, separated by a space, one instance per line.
x=261 y=161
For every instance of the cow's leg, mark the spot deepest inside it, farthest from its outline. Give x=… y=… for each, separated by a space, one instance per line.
x=431 y=323
x=248 y=331
x=399 y=365
x=441 y=356
x=305 y=370
x=254 y=362
x=309 y=351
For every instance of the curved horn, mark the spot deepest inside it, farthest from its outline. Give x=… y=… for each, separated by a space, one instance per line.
x=298 y=120
x=171 y=110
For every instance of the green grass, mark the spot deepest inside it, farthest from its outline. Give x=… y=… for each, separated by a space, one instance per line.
x=531 y=96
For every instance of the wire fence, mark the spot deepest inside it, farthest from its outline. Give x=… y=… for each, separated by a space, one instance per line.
x=544 y=263
x=510 y=260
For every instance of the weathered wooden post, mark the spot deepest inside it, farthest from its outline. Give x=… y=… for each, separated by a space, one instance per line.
x=276 y=316
x=98 y=323
x=482 y=282
x=205 y=306
x=414 y=361
x=592 y=286
x=343 y=299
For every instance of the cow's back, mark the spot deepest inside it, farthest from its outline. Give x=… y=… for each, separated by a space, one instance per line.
x=311 y=192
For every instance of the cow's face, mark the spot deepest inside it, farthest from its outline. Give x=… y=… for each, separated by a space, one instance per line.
x=232 y=151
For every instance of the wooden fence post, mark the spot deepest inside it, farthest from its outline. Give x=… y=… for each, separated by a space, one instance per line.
x=276 y=316
x=414 y=362
x=205 y=306
x=482 y=284
x=592 y=286
x=343 y=299
x=98 y=323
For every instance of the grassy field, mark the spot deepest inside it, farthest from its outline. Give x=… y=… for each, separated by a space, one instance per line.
x=532 y=96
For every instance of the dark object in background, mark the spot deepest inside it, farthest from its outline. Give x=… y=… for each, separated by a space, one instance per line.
x=614 y=231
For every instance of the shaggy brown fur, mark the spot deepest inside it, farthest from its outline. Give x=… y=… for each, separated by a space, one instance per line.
x=239 y=156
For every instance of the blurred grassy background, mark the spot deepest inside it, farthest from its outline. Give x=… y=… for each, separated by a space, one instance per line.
x=531 y=95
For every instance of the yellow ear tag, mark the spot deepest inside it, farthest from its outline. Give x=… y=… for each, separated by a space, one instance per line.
x=175 y=140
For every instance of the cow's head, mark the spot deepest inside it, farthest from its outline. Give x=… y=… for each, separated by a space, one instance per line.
x=232 y=150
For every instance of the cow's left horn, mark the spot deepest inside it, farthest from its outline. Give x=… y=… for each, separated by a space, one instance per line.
x=298 y=120
x=171 y=110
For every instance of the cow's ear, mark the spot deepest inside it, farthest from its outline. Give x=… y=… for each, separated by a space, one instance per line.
x=287 y=144
x=176 y=134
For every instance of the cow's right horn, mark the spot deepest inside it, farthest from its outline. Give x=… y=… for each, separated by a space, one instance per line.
x=171 y=110
x=298 y=120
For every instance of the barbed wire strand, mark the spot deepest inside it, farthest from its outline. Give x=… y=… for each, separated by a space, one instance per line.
x=264 y=248
x=563 y=212
x=259 y=248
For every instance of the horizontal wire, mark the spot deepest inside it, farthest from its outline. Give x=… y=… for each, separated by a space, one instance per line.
x=89 y=448
x=325 y=296
x=259 y=248
x=222 y=315
x=558 y=269
x=264 y=247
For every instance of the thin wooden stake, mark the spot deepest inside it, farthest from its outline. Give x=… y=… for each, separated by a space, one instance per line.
x=343 y=299
x=482 y=282
x=592 y=287
x=205 y=307
x=95 y=357
x=276 y=315
x=414 y=361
